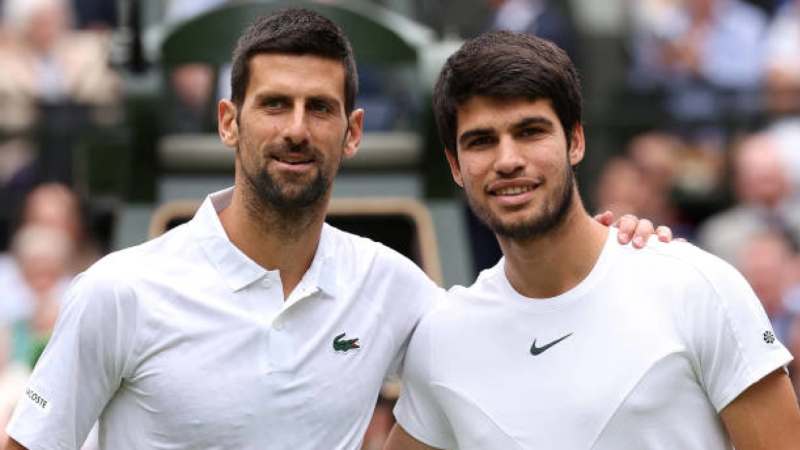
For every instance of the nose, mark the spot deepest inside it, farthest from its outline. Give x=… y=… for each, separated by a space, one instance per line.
x=508 y=159
x=296 y=132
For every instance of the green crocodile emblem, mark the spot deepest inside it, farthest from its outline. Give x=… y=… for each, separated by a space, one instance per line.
x=343 y=345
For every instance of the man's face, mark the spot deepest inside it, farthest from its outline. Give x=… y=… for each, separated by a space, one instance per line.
x=514 y=165
x=291 y=132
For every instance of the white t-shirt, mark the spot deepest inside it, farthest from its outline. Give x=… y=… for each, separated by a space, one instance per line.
x=642 y=354
x=185 y=343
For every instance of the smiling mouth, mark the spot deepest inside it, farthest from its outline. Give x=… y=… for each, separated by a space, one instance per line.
x=293 y=161
x=514 y=190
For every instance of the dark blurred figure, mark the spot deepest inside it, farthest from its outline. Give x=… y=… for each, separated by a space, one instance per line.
x=764 y=200
x=95 y=14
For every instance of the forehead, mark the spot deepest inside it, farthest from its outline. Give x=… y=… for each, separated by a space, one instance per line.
x=500 y=113
x=295 y=75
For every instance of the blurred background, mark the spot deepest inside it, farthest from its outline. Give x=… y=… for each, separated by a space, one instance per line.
x=108 y=135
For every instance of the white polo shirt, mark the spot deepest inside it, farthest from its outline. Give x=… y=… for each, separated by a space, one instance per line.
x=185 y=343
x=642 y=354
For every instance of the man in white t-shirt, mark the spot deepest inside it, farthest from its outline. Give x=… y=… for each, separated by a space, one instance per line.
x=571 y=342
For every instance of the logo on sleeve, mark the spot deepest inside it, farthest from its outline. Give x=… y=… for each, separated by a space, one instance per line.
x=769 y=337
x=37 y=399
x=343 y=345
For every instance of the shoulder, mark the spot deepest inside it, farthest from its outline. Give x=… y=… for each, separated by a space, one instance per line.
x=696 y=272
x=117 y=274
x=365 y=256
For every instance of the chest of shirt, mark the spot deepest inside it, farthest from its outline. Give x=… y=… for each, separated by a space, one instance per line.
x=559 y=377
x=225 y=364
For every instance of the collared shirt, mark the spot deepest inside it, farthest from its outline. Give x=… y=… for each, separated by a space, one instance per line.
x=185 y=343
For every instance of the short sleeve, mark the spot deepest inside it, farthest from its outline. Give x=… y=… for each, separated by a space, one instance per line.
x=81 y=367
x=413 y=294
x=417 y=410
x=732 y=337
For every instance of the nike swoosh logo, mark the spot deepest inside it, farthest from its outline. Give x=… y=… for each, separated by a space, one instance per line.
x=539 y=350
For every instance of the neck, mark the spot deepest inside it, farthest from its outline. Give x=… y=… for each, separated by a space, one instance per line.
x=275 y=240
x=555 y=262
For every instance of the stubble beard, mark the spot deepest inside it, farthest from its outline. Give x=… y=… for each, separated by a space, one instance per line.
x=288 y=201
x=553 y=214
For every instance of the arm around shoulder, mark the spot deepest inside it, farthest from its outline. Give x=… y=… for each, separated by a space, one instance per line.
x=765 y=415
x=399 y=439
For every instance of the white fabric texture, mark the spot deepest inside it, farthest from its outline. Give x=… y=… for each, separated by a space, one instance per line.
x=652 y=344
x=185 y=343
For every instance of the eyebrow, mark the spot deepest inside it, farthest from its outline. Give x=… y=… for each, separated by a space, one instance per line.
x=264 y=96
x=535 y=120
x=467 y=135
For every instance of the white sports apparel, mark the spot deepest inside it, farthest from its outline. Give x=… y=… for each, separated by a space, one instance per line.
x=641 y=355
x=185 y=343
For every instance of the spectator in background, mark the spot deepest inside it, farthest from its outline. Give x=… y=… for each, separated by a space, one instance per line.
x=193 y=84
x=766 y=260
x=694 y=50
x=540 y=18
x=619 y=188
x=764 y=200
x=56 y=207
x=45 y=60
x=782 y=61
x=53 y=79
x=42 y=253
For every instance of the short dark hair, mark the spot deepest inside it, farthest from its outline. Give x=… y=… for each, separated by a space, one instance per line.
x=503 y=64
x=293 y=31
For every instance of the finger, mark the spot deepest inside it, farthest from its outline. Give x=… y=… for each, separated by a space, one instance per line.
x=627 y=225
x=606 y=218
x=664 y=233
x=644 y=229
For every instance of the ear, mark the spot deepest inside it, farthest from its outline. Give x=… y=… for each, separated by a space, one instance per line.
x=577 y=145
x=355 y=129
x=455 y=167
x=227 y=126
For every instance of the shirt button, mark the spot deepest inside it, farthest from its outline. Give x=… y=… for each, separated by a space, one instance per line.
x=277 y=324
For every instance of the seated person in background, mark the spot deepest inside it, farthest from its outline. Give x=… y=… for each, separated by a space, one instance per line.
x=42 y=254
x=763 y=199
x=44 y=60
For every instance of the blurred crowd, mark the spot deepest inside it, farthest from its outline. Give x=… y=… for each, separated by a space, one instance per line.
x=720 y=166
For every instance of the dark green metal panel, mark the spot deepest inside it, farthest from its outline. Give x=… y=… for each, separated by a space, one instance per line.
x=378 y=36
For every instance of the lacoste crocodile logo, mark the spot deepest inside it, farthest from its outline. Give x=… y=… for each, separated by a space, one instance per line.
x=539 y=350
x=343 y=345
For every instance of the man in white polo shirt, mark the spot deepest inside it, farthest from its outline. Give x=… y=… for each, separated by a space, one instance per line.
x=255 y=325
x=571 y=341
